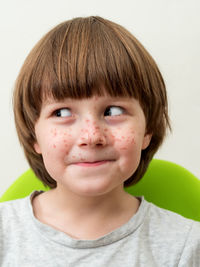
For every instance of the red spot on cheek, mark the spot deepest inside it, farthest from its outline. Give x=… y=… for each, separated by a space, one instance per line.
x=131 y=140
x=54 y=146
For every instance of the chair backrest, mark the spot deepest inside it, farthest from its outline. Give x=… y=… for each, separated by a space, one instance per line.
x=170 y=186
x=165 y=184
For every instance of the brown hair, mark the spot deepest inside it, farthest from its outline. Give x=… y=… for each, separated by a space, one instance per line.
x=77 y=59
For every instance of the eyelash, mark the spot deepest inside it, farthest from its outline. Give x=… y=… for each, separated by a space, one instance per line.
x=55 y=113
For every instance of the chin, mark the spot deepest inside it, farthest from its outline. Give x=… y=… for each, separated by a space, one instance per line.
x=93 y=190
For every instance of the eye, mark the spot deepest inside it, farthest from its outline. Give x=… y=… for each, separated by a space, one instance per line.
x=63 y=112
x=113 y=111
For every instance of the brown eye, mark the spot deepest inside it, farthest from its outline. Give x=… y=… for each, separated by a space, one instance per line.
x=113 y=111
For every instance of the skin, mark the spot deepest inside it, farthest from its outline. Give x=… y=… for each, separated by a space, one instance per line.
x=90 y=147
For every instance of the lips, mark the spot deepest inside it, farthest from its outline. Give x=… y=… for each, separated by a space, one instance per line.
x=93 y=163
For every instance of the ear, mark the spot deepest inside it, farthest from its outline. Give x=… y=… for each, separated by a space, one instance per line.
x=146 y=141
x=37 y=148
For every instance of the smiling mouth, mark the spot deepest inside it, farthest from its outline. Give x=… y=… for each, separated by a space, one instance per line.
x=92 y=164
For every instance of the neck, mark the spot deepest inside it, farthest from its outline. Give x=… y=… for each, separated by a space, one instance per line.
x=85 y=217
x=78 y=205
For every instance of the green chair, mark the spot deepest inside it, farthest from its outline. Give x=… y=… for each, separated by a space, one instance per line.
x=165 y=184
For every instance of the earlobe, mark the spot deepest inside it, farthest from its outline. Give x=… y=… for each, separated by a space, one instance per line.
x=146 y=141
x=37 y=148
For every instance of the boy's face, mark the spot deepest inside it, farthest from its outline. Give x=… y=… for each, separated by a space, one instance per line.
x=91 y=146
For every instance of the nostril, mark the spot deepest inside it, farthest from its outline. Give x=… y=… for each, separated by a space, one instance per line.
x=92 y=138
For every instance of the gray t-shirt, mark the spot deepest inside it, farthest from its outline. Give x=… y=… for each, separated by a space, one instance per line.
x=152 y=237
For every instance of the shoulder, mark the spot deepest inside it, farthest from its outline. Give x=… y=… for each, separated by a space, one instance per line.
x=15 y=220
x=169 y=221
x=172 y=232
x=16 y=213
x=12 y=210
x=17 y=207
x=161 y=215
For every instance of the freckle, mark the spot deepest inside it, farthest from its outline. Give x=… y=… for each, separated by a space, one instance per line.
x=97 y=128
x=105 y=130
x=73 y=157
x=66 y=145
x=123 y=148
x=123 y=137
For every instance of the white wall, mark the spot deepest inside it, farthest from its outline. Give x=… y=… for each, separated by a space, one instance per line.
x=170 y=30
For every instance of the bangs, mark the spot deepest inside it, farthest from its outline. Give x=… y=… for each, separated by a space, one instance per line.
x=87 y=58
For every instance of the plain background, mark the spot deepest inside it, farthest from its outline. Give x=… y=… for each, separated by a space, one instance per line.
x=169 y=29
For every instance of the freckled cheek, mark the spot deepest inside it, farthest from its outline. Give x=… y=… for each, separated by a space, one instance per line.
x=60 y=141
x=123 y=140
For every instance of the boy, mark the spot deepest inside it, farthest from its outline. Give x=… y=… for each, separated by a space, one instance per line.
x=91 y=111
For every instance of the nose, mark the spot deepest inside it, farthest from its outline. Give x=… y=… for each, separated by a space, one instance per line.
x=92 y=135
